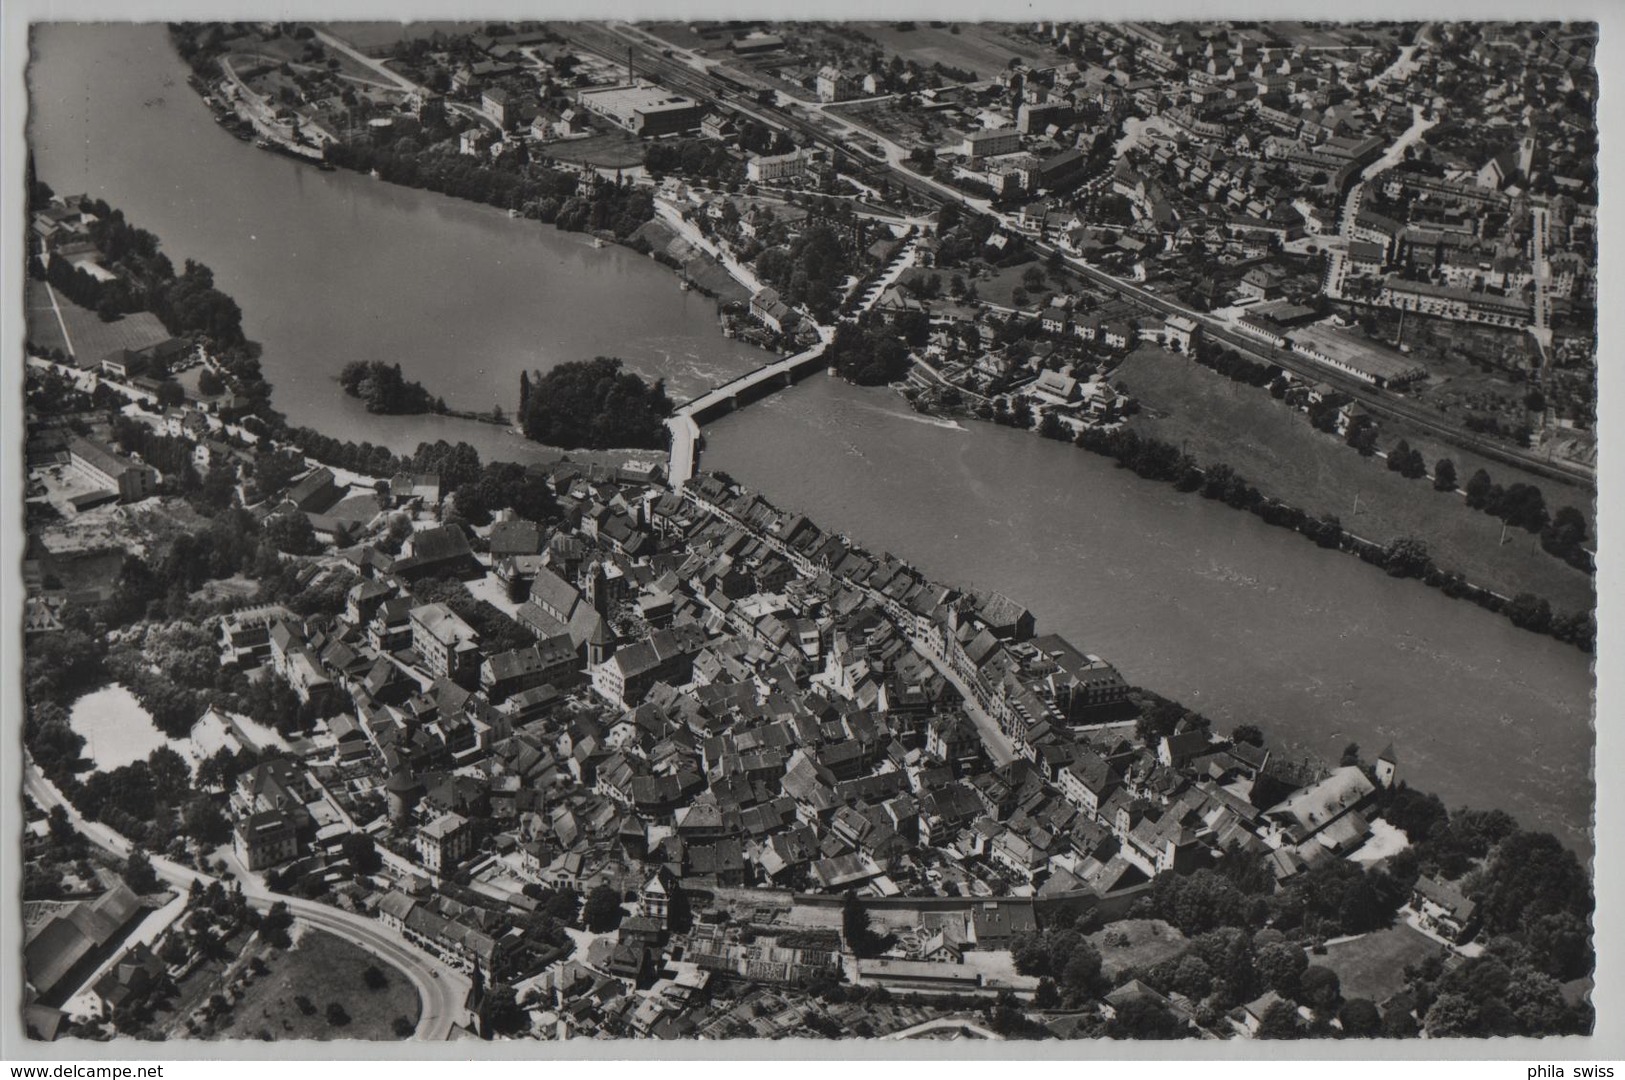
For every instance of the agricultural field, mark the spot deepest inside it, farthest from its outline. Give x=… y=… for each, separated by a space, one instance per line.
x=379 y=38
x=982 y=48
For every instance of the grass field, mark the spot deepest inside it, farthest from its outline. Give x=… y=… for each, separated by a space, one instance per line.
x=981 y=48
x=91 y=339
x=323 y=969
x=1373 y=966
x=1150 y=941
x=1277 y=450
x=376 y=38
x=612 y=150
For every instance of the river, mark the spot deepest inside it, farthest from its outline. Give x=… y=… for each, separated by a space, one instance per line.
x=1239 y=620
x=1246 y=623
x=334 y=267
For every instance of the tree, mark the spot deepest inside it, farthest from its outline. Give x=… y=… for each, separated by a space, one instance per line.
x=1527 y=876
x=1319 y=988
x=374 y=978
x=1530 y=612
x=1082 y=970
x=275 y=924
x=1362 y=435
x=1281 y=966
x=292 y=534
x=210 y=384
x=1351 y=755
x=171 y=394
x=1280 y=1021
x=1399 y=456
x=1360 y=1019
x=63 y=834
x=1565 y=534
x=139 y=874
x=1407 y=556
x=336 y=1014
x=1248 y=733
x=1478 y=489
x=503 y=1013
x=1444 y=475
x=1144 y=1018
x=1453 y=1015
x=602 y=912
x=855 y=929
x=362 y=853
x=204 y=822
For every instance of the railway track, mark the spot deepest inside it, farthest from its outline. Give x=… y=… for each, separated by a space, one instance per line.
x=605 y=42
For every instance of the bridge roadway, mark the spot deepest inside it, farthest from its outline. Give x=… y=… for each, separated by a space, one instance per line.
x=685 y=421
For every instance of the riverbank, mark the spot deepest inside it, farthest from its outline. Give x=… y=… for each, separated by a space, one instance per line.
x=1314 y=469
x=1200 y=410
x=1244 y=622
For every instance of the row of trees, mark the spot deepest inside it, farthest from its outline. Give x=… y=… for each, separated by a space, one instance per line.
x=186 y=304
x=1403 y=557
x=1232 y=365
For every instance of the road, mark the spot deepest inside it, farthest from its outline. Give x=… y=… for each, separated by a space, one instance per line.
x=690 y=232
x=966 y=1027
x=705 y=86
x=1396 y=152
x=400 y=82
x=1541 y=330
x=1378 y=402
x=999 y=746
x=441 y=989
x=610 y=42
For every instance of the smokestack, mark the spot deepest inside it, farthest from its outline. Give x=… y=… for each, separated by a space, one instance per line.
x=631 y=75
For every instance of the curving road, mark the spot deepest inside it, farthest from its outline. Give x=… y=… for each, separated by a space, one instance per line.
x=441 y=989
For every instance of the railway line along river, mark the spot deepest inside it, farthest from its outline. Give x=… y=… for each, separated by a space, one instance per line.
x=1241 y=621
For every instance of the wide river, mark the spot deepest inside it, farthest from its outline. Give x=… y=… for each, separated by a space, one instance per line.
x=1244 y=622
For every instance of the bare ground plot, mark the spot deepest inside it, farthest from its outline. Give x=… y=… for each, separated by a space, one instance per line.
x=1277 y=450
x=1373 y=966
x=983 y=48
x=612 y=150
x=1148 y=942
x=322 y=969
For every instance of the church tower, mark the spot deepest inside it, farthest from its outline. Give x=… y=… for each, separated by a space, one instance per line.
x=1386 y=766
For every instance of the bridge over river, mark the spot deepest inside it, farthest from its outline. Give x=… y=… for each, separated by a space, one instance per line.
x=686 y=420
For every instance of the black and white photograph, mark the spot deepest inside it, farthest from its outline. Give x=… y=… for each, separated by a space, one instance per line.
x=556 y=528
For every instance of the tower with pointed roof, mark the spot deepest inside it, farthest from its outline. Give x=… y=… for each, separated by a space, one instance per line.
x=1386 y=766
